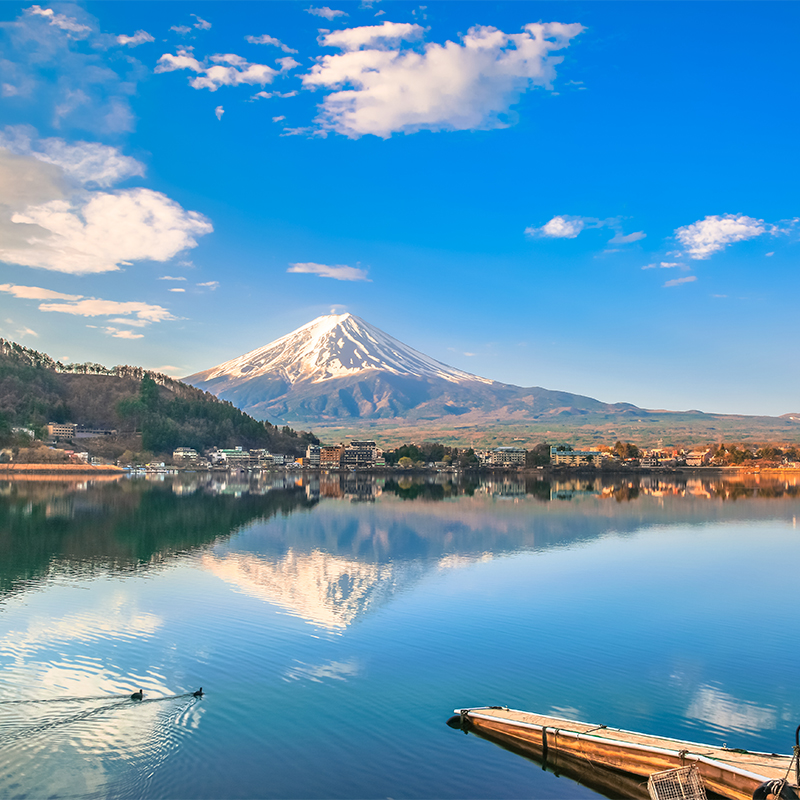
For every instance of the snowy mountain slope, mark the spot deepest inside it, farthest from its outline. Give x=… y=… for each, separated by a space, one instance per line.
x=340 y=367
x=335 y=346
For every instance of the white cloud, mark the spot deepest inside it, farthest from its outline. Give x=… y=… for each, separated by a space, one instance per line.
x=122 y=334
x=181 y=29
x=339 y=272
x=176 y=290
x=265 y=39
x=679 y=281
x=620 y=238
x=104 y=232
x=356 y=38
x=714 y=233
x=36 y=293
x=228 y=70
x=666 y=265
x=219 y=111
x=183 y=60
x=326 y=12
x=560 y=227
x=140 y=37
x=565 y=226
x=769 y=254
x=280 y=118
x=287 y=63
x=84 y=162
x=380 y=13
x=68 y=24
x=209 y=285
x=95 y=307
x=267 y=95
x=201 y=24
x=171 y=278
x=444 y=87
x=58 y=66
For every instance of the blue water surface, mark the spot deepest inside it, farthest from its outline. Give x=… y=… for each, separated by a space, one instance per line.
x=335 y=624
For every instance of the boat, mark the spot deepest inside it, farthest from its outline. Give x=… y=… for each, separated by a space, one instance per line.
x=618 y=763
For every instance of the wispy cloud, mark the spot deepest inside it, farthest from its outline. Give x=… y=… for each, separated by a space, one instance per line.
x=36 y=293
x=666 y=265
x=621 y=238
x=327 y=13
x=210 y=285
x=171 y=278
x=339 y=272
x=680 y=281
x=94 y=307
x=566 y=226
x=201 y=24
x=140 y=37
x=270 y=40
x=218 y=112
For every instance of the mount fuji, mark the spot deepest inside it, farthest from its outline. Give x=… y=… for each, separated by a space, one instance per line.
x=340 y=369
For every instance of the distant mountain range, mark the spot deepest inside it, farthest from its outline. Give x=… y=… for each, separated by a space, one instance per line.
x=340 y=368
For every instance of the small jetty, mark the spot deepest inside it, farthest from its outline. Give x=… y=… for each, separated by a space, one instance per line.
x=618 y=763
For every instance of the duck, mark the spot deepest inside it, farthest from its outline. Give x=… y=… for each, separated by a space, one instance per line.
x=198 y=693
x=137 y=695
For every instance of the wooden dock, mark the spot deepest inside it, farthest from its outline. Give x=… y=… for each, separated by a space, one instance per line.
x=623 y=759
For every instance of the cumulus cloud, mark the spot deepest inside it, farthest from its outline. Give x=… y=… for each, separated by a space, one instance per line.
x=388 y=33
x=201 y=24
x=271 y=40
x=287 y=63
x=679 y=281
x=228 y=70
x=219 y=111
x=140 y=37
x=339 y=272
x=389 y=88
x=560 y=227
x=712 y=234
x=104 y=232
x=327 y=13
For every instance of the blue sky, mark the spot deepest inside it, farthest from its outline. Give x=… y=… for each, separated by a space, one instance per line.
x=592 y=197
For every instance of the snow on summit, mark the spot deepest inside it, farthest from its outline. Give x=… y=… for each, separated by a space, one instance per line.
x=334 y=346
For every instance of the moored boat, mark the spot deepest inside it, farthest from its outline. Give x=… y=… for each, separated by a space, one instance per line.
x=626 y=758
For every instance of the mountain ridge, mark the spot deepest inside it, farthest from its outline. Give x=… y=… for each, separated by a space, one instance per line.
x=339 y=367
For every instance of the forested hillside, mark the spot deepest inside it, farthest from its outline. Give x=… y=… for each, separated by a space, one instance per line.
x=163 y=412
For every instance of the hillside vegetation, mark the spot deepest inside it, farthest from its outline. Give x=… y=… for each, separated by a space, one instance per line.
x=161 y=412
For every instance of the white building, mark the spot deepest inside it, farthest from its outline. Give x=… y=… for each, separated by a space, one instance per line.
x=508 y=457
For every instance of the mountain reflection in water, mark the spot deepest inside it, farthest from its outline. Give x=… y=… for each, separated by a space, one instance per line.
x=648 y=603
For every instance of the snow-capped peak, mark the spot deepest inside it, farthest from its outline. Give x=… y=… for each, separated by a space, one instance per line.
x=334 y=346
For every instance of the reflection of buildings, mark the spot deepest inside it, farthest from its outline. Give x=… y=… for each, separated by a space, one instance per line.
x=326 y=590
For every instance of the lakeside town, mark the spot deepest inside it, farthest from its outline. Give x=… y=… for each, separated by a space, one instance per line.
x=69 y=444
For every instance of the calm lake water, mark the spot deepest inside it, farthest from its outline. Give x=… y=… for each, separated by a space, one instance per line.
x=335 y=623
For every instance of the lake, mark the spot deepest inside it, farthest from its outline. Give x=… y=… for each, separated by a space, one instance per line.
x=336 y=621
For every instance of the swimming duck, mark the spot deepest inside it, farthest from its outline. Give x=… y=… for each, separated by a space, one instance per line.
x=198 y=693
x=137 y=695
